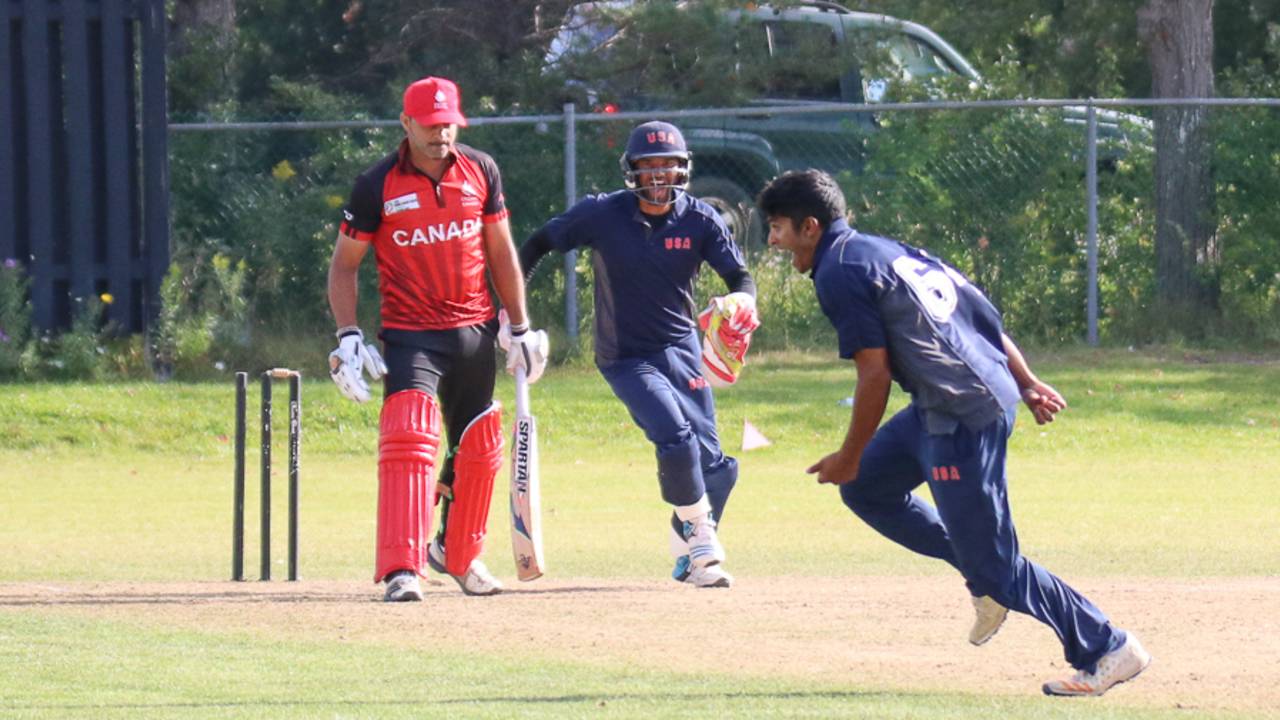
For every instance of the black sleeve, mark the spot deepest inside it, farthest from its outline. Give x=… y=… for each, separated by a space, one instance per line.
x=533 y=250
x=496 y=201
x=740 y=281
x=363 y=212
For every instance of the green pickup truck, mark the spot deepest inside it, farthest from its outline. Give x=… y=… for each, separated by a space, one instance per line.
x=787 y=58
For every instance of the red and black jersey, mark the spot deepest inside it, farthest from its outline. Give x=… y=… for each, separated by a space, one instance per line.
x=427 y=237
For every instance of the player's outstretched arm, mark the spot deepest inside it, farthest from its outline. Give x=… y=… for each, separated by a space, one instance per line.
x=870 y=398
x=1043 y=401
x=533 y=250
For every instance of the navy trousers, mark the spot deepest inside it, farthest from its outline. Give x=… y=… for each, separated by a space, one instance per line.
x=971 y=527
x=671 y=402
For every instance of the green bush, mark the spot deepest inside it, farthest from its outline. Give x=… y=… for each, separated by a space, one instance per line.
x=1247 y=176
x=203 y=321
x=16 y=348
x=997 y=193
x=79 y=353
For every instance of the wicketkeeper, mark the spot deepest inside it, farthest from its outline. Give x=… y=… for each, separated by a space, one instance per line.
x=434 y=213
x=648 y=243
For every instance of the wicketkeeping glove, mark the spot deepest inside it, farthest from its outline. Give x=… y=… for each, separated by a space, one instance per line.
x=727 y=324
x=348 y=363
x=528 y=348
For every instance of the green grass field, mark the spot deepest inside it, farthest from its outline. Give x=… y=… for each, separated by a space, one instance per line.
x=1163 y=467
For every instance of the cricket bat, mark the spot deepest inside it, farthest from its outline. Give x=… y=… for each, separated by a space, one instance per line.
x=526 y=502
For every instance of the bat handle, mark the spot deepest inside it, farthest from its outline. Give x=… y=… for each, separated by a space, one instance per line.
x=522 y=392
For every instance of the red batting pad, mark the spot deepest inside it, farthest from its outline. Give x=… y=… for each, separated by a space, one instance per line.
x=407 y=445
x=477 y=462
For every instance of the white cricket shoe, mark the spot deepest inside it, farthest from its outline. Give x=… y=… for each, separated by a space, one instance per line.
x=1120 y=665
x=712 y=576
x=704 y=547
x=403 y=586
x=476 y=581
x=990 y=616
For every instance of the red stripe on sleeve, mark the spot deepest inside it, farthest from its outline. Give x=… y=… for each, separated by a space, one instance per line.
x=354 y=234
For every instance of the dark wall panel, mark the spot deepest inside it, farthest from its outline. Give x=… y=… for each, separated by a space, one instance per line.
x=78 y=132
x=84 y=154
x=8 y=233
x=39 y=151
x=117 y=124
x=155 y=150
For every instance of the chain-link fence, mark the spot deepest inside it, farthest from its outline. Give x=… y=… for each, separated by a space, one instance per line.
x=1003 y=190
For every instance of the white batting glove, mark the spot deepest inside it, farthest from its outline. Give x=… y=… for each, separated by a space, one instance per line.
x=529 y=350
x=351 y=360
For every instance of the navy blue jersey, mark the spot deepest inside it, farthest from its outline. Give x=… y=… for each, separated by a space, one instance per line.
x=943 y=336
x=644 y=267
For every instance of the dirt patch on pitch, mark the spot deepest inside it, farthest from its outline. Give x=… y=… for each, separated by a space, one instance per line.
x=1216 y=642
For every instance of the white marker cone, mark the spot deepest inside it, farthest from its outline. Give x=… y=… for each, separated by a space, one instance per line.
x=753 y=438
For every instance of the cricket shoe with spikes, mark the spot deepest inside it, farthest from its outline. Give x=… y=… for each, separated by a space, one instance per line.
x=403 y=586
x=476 y=581
x=989 y=615
x=712 y=576
x=704 y=546
x=1120 y=665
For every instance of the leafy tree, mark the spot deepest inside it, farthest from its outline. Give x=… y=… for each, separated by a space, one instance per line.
x=202 y=46
x=268 y=200
x=1244 y=34
x=1080 y=48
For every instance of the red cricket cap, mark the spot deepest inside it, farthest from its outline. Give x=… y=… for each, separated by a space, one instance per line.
x=433 y=101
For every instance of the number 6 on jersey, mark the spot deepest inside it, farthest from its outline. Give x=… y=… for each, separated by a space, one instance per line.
x=526 y=504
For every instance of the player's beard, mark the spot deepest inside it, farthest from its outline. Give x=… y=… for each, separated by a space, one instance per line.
x=657 y=189
x=658 y=195
x=435 y=150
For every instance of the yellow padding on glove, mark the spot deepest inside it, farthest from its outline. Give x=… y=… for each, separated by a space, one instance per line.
x=727 y=324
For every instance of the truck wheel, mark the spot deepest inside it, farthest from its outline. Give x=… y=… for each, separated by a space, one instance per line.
x=736 y=208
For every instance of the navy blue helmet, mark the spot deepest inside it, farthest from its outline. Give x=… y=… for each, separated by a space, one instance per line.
x=656 y=139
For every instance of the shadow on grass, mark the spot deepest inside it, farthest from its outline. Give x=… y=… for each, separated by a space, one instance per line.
x=276 y=594
x=401 y=702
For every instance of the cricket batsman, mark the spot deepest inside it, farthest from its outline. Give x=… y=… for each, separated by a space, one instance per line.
x=648 y=242
x=434 y=214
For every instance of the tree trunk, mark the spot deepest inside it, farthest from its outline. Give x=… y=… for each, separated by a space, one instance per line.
x=1179 y=39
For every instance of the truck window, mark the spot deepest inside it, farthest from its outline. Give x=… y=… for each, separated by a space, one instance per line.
x=896 y=57
x=915 y=59
x=801 y=61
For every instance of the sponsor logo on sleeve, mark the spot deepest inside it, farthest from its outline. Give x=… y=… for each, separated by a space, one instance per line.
x=400 y=204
